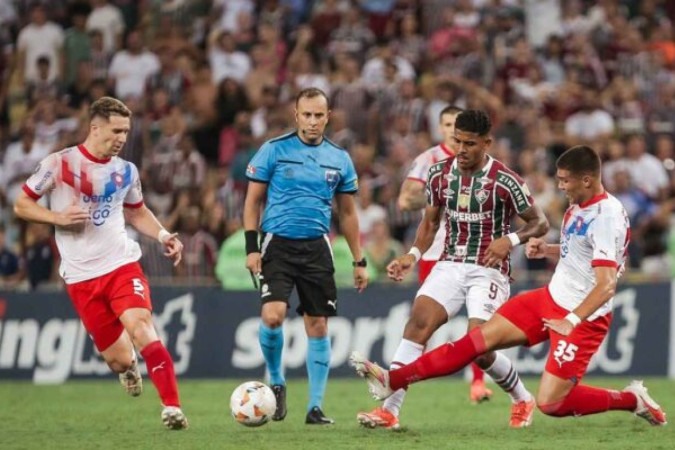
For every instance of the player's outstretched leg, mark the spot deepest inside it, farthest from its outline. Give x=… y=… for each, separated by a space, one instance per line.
x=646 y=407
x=131 y=379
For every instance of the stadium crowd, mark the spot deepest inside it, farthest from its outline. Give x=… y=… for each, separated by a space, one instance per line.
x=209 y=81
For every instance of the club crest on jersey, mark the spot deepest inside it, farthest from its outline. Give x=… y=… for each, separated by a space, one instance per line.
x=117 y=178
x=482 y=195
x=463 y=200
x=332 y=178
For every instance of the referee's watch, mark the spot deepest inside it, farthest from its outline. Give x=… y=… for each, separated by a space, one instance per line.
x=361 y=263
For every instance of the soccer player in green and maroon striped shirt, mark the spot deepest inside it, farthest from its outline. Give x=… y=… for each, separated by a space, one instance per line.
x=478 y=195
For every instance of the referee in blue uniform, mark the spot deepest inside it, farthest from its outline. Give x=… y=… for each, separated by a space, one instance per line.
x=298 y=175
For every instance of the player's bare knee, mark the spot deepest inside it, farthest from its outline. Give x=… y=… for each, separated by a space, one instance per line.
x=549 y=405
x=272 y=320
x=419 y=329
x=142 y=332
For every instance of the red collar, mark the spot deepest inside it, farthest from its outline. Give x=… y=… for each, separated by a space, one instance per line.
x=91 y=157
x=593 y=200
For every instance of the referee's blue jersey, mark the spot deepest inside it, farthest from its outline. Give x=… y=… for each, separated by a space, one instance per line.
x=302 y=181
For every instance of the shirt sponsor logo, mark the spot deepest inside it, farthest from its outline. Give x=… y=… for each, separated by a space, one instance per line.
x=469 y=217
x=97 y=198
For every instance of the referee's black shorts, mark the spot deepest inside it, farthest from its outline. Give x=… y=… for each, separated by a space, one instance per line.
x=305 y=264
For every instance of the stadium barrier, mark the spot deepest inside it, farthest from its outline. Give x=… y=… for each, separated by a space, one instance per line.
x=213 y=334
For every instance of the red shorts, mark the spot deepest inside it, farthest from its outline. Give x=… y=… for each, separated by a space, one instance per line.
x=424 y=269
x=568 y=356
x=100 y=301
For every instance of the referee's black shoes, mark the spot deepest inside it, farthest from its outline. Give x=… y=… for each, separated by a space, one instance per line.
x=316 y=417
x=280 y=394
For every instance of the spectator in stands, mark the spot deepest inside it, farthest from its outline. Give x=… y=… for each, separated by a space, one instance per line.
x=40 y=38
x=108 y=19
x=226 y=61
x=132 y=83
x=76 y=45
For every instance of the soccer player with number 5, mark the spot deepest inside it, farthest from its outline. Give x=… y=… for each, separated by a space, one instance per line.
x=574 y=311
x=93 y=193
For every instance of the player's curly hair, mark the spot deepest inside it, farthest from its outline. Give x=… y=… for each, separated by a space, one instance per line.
x=473 y=121
x=107 y=106
x=580 y=160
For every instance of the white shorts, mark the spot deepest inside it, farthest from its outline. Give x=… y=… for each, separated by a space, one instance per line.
x=452 y=284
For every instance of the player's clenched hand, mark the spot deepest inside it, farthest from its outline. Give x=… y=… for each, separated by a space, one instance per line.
x=72 y=218
x=174 y=248
x=360 y=278
x=254 y=263
x=535 y=248
x=399 y=268
x=497 y=251
x=560 y=326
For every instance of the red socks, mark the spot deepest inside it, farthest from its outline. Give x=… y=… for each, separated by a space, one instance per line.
x=584 y=400
x=478 y=374
x=160 y=370
x=443 y=360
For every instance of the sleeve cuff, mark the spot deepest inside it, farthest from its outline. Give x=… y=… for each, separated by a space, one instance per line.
x=604 y=263
x=257 y=180
x=133 y=205
x=29 y=192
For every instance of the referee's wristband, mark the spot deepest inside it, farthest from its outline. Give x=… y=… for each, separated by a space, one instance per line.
x=573 y=319
x=416 y=253
x=515 y=240
x=252 y=245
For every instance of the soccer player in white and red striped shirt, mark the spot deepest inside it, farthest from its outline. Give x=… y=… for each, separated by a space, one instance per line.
x=476 y=195
x=93 y=193
x=573 y=311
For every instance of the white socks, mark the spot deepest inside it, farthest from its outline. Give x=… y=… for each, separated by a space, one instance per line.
x=407 y=352
x=503 y=373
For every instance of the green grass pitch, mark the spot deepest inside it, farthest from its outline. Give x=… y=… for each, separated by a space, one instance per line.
x=436 y=415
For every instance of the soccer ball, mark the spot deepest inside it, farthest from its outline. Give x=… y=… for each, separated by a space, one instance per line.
x=253 y=404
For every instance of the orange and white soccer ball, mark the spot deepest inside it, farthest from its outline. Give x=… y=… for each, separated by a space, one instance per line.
x=253 y=404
